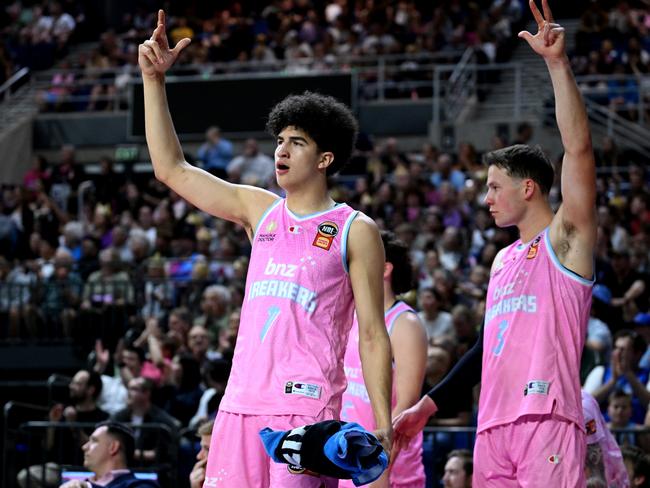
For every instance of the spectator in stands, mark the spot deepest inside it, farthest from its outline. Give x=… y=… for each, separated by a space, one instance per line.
x=637 y=464
x=71 y=239
x=38 y=177
x=623 y=373
x=215 y=153
x=439 y=361
x=198 y=342
x=66 y=177
x=599 y=335
x=215 y=306
x=619 y=411
x=107 y=300
x=63 y=445
x=465 y=328
x=450 y=250
x=524 y=133
x=445 y=172
x=437 y=322
x=114 y=393
x=119 y=238
x=158 y=292
x=15 y=296
x=134 y=363
x=459 y=469
x=151 y=444
x=178 y=326
x=184 y=390
x=108 y=454
x=628 y=286
x=251 y=167
x=197 y=476
x=474 y=288
x=59 y=297
x=89 y=260
x=215 y=377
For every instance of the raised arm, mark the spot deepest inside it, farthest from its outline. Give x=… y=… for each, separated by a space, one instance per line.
x=573 y=230
x=366 y=254
x=241 y=204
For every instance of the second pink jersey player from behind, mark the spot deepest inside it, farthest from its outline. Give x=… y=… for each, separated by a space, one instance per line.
x=407 y=470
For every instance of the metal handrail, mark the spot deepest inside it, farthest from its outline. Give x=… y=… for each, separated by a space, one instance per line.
x=255 y=67
x=628 y=133
x=5 y=88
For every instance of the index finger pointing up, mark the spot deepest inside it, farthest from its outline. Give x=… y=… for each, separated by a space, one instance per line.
x=547 y=11
x=161 y=17
x=536 y=13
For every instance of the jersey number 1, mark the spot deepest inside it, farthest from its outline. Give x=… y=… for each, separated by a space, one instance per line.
x=503 y=325
x=273 y=313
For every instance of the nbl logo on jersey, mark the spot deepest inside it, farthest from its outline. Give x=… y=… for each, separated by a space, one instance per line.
x=327 y=231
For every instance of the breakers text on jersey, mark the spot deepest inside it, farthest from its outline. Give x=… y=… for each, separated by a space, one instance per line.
x=304 y=297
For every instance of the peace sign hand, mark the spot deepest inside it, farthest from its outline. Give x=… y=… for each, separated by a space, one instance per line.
x=549 y=40
x=154 y=56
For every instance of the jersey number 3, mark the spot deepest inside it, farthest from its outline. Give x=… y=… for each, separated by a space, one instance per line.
x=503 y=325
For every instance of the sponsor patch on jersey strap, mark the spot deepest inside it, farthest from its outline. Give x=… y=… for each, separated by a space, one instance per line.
x=536 y=387
x=304 y=389
x=591 y=427
x=532 y=250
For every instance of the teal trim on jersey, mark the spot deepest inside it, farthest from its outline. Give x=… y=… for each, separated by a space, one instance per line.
x=312 y=215
x=344 y=239
x=392 y=322
x=397 y=302
x=265 y=214
x=571 y=274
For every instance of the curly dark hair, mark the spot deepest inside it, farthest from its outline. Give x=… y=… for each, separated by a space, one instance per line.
x=522 y=161
x=326 y=120
x=397 y=253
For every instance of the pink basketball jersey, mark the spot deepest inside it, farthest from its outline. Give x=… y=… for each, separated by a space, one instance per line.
x=296 y=316
x=408 y=468
x=535 y=323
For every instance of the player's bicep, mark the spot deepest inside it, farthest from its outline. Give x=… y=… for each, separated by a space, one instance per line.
x=578 y=187
x=409 y=343
x=366 y=268
x=241 y=204
x=575 y=223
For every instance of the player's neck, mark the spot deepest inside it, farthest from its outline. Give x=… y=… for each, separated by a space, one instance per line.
x=536 y=219
x=389 y=297
x=309 y=201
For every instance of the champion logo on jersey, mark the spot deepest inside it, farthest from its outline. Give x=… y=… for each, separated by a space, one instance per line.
x=554 y=459
x=295 y=229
